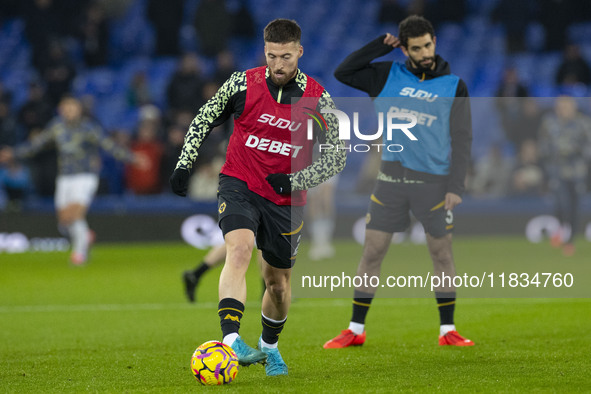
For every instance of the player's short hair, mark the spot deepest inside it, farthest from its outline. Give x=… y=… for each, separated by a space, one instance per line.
x=412 y=27
x=69 y=97
x=282 y=31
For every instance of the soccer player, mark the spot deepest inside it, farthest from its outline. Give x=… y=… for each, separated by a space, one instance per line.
x=262 y=189
x=425 y=178
x=78 y=141
x=564 y=145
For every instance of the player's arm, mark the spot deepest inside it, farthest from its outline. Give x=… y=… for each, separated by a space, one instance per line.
x=331 y=161
x=461 y=143
x=116 y=150
x=96 y=135
x=36 y=144
x=212 y=114
x=358 y=71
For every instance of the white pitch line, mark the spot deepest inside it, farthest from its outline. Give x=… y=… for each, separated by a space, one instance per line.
x=298 y=302
x=141 y=307
x=102 y=307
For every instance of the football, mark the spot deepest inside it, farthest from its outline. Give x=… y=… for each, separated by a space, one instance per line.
x=214 y=363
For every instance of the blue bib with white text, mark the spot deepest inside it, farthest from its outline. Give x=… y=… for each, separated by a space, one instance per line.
x=430 y=102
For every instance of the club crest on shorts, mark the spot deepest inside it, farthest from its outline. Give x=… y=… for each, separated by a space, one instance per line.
x=367 y=218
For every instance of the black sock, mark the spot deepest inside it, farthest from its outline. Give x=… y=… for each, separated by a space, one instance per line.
x=446 y=303
x=361 y=304
x=230 y=312
x=271 y=330
x=200 y=270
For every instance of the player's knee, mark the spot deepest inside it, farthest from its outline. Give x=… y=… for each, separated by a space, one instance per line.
x=441 y=253
x=239 y=251
x=277 y=291
x=442 y=259
x=65 y=219
x=373 y=256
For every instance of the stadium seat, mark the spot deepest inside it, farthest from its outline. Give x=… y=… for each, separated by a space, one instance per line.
x=475 y=49
x=579 y=32
x=131 y=35
x=110 y=111
x=97 y=82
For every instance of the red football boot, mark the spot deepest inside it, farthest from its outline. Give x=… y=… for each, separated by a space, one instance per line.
x=452 y=338
x=345 y=339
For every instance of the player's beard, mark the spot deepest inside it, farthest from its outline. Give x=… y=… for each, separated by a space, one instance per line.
x=420 y=65
x=284 y=77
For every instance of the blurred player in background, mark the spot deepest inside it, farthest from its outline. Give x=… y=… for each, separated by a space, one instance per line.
x=424 y=179
x=78 y=141
x=565 y=150
x=191 y=278
x=212 y=259
x=262 y=190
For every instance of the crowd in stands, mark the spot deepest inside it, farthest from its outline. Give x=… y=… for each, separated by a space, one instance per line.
x=160 y=128
x=538 y=136
x=159 y=133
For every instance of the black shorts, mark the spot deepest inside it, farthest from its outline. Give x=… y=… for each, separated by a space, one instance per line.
x=391 y=203
x=278 y=228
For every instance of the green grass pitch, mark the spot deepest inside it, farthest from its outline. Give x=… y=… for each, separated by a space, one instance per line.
x=121 y=324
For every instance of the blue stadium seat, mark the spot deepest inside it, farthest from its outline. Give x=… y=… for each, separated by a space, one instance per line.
x=110 y=111
x=188 y=39
x=525 y=63
x=481 y=7
x=17 y=80
x=14 y=50
x=586 y=51
x=485 y=125
x=125 y=72
x=332 y=29
x=131 y=35
x=547 y=66
x=543 y=89
x=98 y=82
x=535 y=36
x=129 y=119
x=189 y=11
x=159 y=74
x=579 y=33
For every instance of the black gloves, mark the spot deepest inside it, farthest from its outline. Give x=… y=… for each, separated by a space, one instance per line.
x=179 y=181
x=280 y=183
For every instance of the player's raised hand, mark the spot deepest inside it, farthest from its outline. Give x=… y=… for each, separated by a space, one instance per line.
x=391 y=40
x=6 y=154
x=179 y=181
